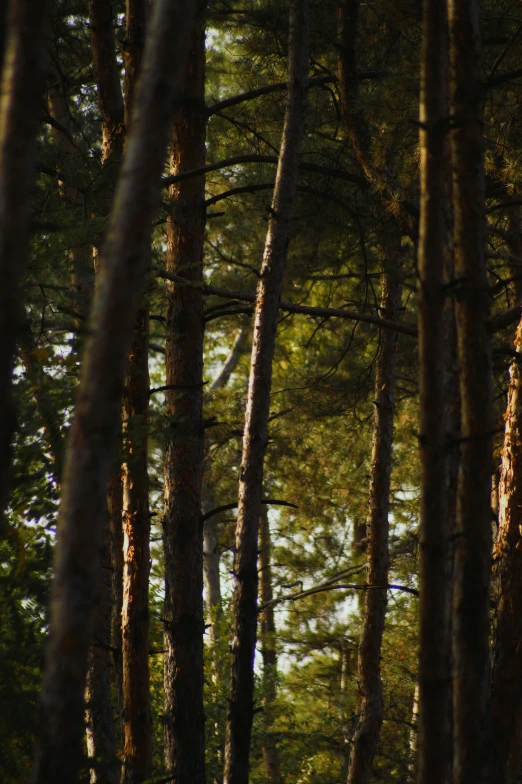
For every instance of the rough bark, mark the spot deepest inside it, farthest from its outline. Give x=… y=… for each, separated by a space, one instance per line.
x=184 y=718
x=98 y=403
x=371 y=710
x=99 y=717
x=506 y=677
x=268 y=651
x=115 y=511
x=105 y=667
x=240 y=707
x=434 y=675
x=22 y=83
x=473 y=535
x=106 y=69
x=137 y=721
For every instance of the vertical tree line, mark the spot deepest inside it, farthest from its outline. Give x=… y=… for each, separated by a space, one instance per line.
x=188 y=591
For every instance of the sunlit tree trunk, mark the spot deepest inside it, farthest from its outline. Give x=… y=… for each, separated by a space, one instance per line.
x=184 y=718
x=268 y=639
x=105 y=656
x=95 y=423
x=371 y=706
x=137 y=722
x=240 y=706
x=506 y=679
x=473 y=534
x=22 y=83
x=434 y=673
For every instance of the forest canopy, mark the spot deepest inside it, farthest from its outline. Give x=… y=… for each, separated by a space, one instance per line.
x=261 y=433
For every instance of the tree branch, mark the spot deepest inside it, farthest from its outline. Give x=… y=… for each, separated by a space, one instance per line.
x=225 y=508
x=305 y=310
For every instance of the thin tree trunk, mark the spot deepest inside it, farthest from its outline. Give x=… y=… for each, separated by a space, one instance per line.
x=240 y=707
x=268 y=651
x=366 y=737
x=115 y=510
x=105 y=658
x=184 y=718
x=434 y=675
x=211 y=552
x=99 y=716
x=22 y=83
x=137 y=721
x=98 y=404
x=473 y=535
x=506 y=679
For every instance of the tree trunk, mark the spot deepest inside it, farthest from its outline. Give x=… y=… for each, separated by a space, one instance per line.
x=98 y=404
x=434 y=674
x=184 y=718
x=506 y=679
x=137 y=721
x=115 y=510
x=99 y=716
x=240 y=708
x=103 y=666
x=366 y=737
x=268 y=651
x=473 y=535
x=211 y=552
x=22 y=83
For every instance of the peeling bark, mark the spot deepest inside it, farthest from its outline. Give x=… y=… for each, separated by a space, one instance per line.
x=506 y=677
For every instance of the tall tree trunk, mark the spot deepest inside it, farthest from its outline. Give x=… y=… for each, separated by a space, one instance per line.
x=184 y=718
x=473 y=535
x=99 y=715
x=506 y=679
x=22 y=83
x=240 y=707
x=105 y=657
x=268 y=650
x=115 y=510
x=364 y=743
x=211 y=552
x=137 y=721
x=98 y=404
x=434 y=674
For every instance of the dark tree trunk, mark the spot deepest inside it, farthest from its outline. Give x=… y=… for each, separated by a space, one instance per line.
x=434 y=673
x=22 y=83
x=268 y=651
x=371 y=710
x=473 y=535
x=99 y=715
x=137 y=722
x=506 y=680
x=98 y=403
x=184 y=718
x=115 y=510
x=103 y=666
x=240 y=707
